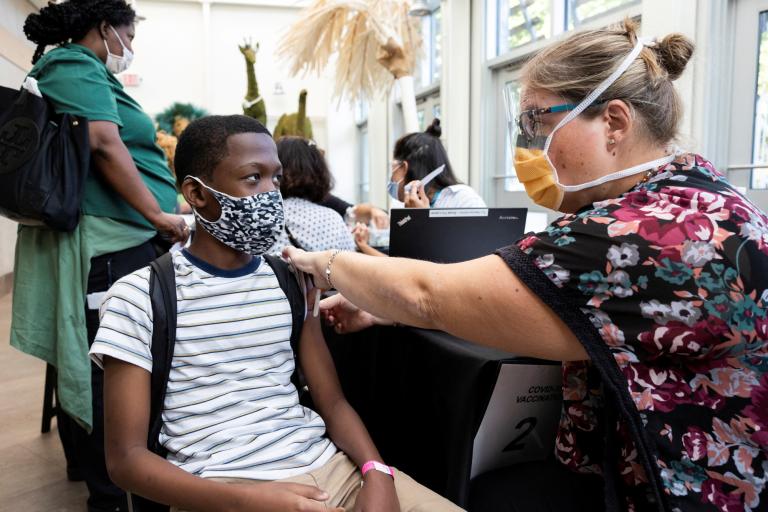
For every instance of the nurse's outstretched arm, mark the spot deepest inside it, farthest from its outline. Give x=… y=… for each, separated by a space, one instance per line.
x=481 y=300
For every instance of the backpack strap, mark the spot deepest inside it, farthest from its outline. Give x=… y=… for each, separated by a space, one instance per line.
x=290 y=286
x=162 y=291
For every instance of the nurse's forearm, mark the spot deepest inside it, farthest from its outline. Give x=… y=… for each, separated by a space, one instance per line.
x=404 y=291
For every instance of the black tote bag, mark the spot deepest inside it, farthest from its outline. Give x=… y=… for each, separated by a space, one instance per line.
x=44 y=159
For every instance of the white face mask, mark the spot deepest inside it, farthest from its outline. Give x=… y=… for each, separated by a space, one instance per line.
x=116 y=63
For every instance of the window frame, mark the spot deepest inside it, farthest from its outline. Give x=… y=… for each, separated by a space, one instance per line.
x=493 y=174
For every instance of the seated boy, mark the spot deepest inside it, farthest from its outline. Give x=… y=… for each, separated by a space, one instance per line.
x=237 y=437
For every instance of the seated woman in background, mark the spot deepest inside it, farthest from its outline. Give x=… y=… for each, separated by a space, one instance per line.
x=416 y=155
x=306 y=182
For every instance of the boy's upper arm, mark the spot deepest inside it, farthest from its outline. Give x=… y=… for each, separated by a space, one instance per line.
x=126 y=406
x=317 y=365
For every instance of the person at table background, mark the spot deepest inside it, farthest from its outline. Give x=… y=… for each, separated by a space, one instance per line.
x=650 y=289
x=127 y=201
x=414 y=157
x=306 y=181
x=361 y=212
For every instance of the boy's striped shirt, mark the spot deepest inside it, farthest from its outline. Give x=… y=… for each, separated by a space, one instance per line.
x=230 y=408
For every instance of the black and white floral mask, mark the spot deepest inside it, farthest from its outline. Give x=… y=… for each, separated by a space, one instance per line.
x=249 y=224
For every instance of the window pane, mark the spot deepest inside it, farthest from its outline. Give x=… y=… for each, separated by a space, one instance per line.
x=420 y=117
x=436 y=110
x=511 y=184
x=519 y=22
x=437 y=44
x=424 y=67
x=582 y=11
x=760 y=141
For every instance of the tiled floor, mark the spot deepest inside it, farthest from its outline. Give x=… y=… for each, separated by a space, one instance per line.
x=32 y=468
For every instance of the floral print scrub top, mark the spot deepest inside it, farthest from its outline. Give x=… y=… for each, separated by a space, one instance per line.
x=673 y=275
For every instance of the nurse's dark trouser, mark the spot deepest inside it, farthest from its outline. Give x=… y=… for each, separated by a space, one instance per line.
x=85 y=453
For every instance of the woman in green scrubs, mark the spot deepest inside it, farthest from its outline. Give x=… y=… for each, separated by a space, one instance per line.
x=128 y=200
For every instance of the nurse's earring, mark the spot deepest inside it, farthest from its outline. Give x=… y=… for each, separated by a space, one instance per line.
x=611 y=145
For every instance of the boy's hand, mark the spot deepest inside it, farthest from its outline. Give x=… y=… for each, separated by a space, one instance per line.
x=280 y=497
x=378 y=494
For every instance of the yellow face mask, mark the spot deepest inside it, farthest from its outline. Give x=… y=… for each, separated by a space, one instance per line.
x=534 y=168
x=535 y=172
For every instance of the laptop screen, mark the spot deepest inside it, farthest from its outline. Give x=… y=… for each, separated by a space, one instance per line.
x=450 y=235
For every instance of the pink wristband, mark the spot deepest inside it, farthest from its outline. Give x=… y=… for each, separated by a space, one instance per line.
x=378 y=466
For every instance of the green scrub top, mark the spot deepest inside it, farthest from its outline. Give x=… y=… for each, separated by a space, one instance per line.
x=76 y=81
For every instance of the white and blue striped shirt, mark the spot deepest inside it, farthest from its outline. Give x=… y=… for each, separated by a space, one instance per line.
x=230 y=408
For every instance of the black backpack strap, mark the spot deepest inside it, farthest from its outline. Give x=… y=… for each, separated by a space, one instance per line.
x=292 y=238
x=162 y=292
x=290 y=285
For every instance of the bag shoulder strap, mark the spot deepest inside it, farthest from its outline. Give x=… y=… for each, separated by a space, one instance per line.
x=162 y=291
x=290 y=286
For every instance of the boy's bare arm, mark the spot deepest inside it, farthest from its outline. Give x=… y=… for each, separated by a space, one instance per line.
x=134 y=468
x=344 y=426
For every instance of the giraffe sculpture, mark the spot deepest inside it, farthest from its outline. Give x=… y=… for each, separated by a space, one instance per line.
x=296 y=124
x=253 y=104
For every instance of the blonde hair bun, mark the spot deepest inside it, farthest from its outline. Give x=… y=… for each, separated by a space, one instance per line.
x=673 y=53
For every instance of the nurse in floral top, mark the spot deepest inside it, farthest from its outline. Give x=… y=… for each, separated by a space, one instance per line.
x=652 y=288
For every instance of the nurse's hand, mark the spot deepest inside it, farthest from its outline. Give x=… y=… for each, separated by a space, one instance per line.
x=312 y=263
x=345 y=317
x=416 y=197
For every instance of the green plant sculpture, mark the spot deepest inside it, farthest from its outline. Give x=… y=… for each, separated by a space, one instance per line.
x=253 y=104
x=175 y=118
x=296 y=124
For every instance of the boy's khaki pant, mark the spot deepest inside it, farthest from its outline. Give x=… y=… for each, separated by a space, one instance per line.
x=341 y=479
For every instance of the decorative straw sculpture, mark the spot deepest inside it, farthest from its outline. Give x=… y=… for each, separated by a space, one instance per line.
x=374 y=43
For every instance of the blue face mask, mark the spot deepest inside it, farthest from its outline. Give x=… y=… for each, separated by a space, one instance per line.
x=392 y=189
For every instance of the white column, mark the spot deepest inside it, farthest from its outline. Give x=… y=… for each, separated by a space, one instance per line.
x=379 y=149
x=455 y=85
x=207 y=73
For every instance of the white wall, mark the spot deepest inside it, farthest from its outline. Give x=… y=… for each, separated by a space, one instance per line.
x=188 y=52
x=15 y=55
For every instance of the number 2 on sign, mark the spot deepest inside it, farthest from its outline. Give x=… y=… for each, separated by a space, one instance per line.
x=527 y=425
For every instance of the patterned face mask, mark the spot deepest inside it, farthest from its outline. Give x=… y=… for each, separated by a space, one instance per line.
x=250 y=224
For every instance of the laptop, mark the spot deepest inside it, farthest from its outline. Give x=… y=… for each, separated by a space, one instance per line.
x=450 y=235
